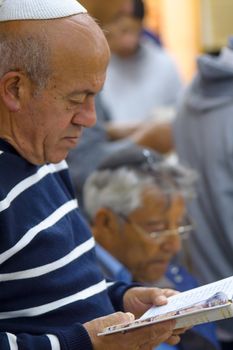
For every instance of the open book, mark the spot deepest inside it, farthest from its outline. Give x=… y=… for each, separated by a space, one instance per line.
x=207 y=303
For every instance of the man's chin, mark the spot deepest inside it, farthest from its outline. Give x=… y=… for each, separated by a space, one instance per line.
x=57 y=157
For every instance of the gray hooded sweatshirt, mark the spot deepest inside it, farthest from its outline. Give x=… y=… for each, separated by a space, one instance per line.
x=203 y=134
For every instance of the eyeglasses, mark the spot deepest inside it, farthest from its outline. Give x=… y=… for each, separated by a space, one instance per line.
x=182 y=231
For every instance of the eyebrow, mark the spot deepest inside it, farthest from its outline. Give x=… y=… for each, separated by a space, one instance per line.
x=85 y=92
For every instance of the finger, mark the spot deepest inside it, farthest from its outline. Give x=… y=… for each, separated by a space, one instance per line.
x=173 y=340
x=170 y=292
x=157 y=333
x=153 y=296
x=179 y=331
x=121 y=317
x=147 y=338
x=160 y=295
x=116 y=318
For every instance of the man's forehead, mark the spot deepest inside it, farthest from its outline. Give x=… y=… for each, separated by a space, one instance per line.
x=76 y=35
x=162 y=200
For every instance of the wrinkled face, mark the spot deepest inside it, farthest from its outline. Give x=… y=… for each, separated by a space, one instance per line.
x=123 y=35
x=148 y=258
x=52 y=119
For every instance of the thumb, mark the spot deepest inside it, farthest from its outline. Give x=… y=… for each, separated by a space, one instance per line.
x=98 y=324
x=119 y=318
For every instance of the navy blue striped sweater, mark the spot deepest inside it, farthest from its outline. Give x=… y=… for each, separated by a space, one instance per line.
x=49 y=280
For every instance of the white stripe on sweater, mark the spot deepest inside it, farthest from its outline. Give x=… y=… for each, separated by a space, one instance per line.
x=110 y=284
x=1 y=152
x=12 y=340
x=30 y=181
x=30 y=234
x=43 y=309
x=42 y=270
x=54 y=342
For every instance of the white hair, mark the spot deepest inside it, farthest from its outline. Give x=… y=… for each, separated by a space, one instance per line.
x=28 y=53
x=119 y=190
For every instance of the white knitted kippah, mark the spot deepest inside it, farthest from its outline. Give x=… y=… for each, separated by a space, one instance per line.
x=11 y=10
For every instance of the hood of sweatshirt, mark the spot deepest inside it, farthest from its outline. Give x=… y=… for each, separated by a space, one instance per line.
x=213 y=85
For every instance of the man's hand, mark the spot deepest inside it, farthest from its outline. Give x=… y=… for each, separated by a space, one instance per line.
x=145 y=338
x=139 y=299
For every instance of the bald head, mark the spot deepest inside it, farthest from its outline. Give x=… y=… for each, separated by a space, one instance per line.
x=27 y=45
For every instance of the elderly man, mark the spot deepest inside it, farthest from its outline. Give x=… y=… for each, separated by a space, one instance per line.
x=53 y=62
x=135 y=203
x=141 y=75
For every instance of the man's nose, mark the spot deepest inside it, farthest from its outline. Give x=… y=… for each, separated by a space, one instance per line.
x=172 y=244
x=86 y=115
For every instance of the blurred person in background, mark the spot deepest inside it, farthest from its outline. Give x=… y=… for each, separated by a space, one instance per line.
x=203 y=138
x=96 y=142
x=141 y=75
x=105 y=11
x=135 y=202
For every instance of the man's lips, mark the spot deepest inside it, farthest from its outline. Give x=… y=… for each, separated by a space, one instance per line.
x=74 y=136
x=72 y=140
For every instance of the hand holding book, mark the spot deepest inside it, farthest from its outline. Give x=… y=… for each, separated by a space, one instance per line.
x=203 y=304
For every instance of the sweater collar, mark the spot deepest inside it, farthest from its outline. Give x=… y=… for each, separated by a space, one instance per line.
x=6 y=147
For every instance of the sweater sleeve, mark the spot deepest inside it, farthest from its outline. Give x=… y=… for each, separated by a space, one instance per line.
x=116 y=291
x=74 y=338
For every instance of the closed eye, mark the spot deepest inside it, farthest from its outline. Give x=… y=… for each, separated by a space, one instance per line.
x=81 y=98
x=77 y=102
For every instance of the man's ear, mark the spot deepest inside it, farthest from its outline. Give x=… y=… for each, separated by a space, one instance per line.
x=12 y=85
x=105 y=226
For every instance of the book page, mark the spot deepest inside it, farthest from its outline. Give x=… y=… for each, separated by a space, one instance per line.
x=192 y=296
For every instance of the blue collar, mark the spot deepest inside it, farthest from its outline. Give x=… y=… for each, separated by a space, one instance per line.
x=111 y=267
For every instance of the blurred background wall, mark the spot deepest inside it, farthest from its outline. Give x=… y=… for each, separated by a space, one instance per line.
x=190 y=27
